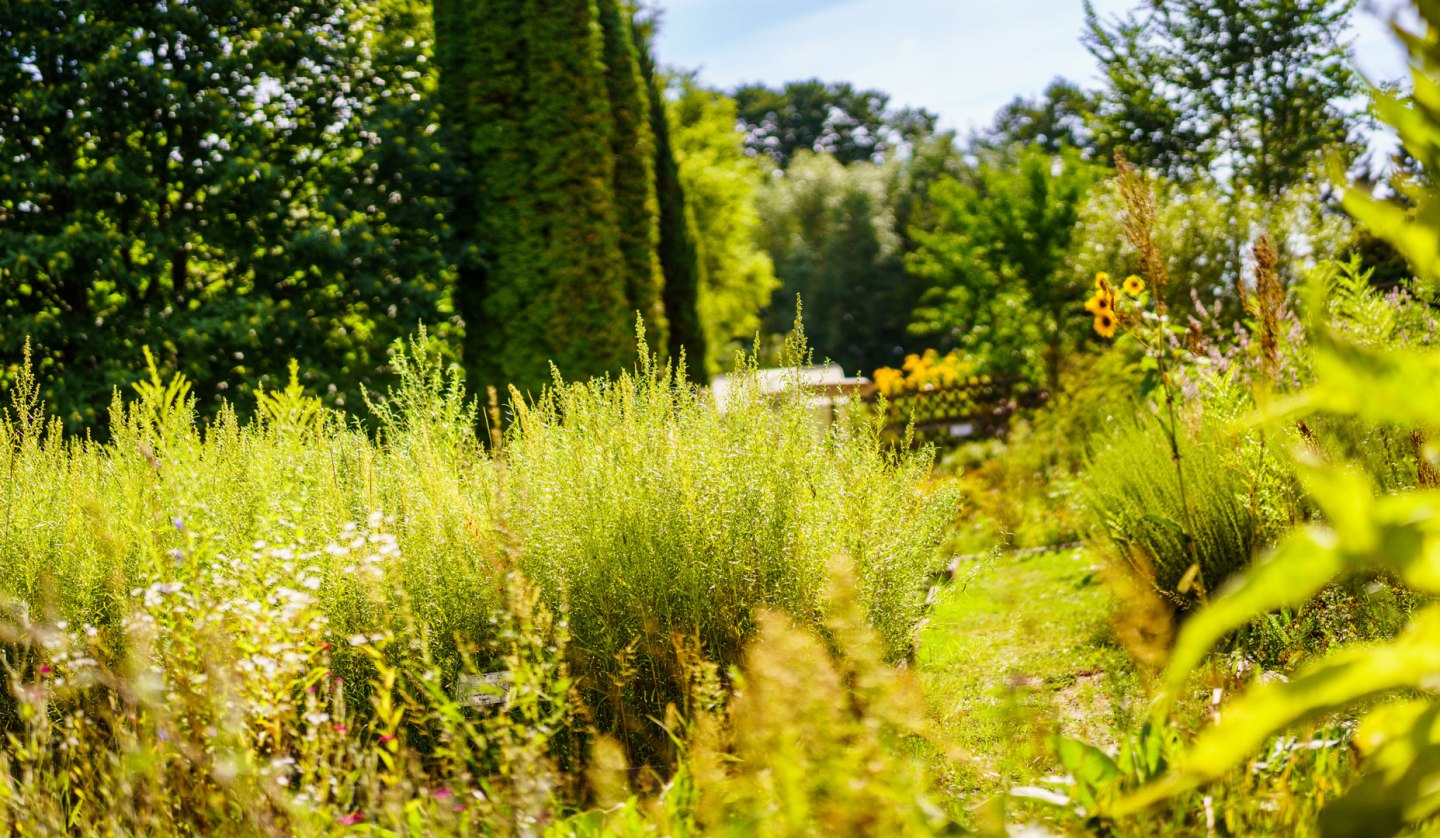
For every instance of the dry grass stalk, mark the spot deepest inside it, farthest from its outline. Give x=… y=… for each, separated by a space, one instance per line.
x=1139 y=224
x=1269 y=303
x=1427 y=476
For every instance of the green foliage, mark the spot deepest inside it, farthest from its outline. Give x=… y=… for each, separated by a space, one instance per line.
x=637 y=211
x=1025 y=491
x=637 y=546
x=818 y=739
x=721 y=186
x=679 y=242
x=996 y=258
x=232 y=183
x=1056 y=120
x=1205 y=241
x=1363 y=531
x=826 y=118
x=1134 y=497
x=203 y=622
x=831 y=232
x=1412 y=225
x=1256 y=89
x=654 y=514
x=526 y=91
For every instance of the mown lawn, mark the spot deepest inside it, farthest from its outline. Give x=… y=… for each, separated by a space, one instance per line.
x=1018 y=648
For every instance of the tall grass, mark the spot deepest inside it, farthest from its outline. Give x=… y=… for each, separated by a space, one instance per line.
x=1133 y=499
x=652 y=515
x=263 y=626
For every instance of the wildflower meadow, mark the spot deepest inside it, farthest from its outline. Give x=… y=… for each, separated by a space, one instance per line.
x=433 y=418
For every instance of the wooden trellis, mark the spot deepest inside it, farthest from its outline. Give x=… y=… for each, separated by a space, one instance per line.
x=965 y=410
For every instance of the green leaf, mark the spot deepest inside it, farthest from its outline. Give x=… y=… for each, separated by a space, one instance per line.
x=1091 y=767
x=1341 y=679
x=1345 y=496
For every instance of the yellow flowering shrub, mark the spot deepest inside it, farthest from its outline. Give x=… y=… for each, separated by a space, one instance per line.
x=928 y=371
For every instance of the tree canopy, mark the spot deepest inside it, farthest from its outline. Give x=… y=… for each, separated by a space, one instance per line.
x=831 y=118
x=997 y=260
x=235 y=184
x=1252 y=89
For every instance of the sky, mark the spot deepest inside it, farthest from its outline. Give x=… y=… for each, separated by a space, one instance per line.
x=961 y=59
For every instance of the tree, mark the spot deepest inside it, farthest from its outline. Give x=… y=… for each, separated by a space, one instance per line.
x=637 y=211
x=832 y=118
x=997 y=258
x=169 y=178
x=721 y=186
x=679 y=243
x=525 y=87
x=830 y=230
x=1251 y=89
x=1058 y=119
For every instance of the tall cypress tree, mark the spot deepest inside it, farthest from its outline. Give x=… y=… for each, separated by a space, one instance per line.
x=633 y=144
x=524 y=86
x=679 y=242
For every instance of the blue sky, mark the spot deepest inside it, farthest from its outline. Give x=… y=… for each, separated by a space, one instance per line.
x=962 y=59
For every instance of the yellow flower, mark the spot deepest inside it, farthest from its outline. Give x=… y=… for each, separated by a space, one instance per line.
x=1101 y=302
x=1105 y=324
x=1134 y=285
x=889 y=381
x=1102 y=281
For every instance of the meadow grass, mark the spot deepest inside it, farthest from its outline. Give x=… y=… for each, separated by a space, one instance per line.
x=1021 y=648
x=263 y=626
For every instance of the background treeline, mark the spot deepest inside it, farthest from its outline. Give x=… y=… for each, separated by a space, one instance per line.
x=237 y=184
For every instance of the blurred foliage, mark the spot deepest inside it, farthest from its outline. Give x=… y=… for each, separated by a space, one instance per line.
x=826 y=118
x=722 y=188
x=1247 y=94
x=830 y=230
x=996 y=263
x=1205 y=238
x=1411 y=224
x=1060 y=118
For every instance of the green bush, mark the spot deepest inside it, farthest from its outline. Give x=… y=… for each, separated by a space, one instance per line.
x=640 y=510
x=649 y=513
x=1133 y=497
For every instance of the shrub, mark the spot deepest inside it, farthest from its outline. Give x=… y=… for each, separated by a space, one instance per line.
x=1132 y=497
x=649 y=514
x=639 y=510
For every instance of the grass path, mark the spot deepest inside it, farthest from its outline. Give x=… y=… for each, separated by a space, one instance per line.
x=1020 y=647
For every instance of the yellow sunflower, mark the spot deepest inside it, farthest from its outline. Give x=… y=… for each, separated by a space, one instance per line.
x=1102 y=281
x=1105 y=324
x=1134 y=285
x=1103 y=301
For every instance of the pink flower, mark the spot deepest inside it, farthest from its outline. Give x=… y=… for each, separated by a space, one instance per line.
x=351 y=819
x=44 y=670
x=442 y=793
x=387 y=737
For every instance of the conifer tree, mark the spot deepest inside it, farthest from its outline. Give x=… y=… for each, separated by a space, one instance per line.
x=633 y=144
x=679 y=242
x=525 y=89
